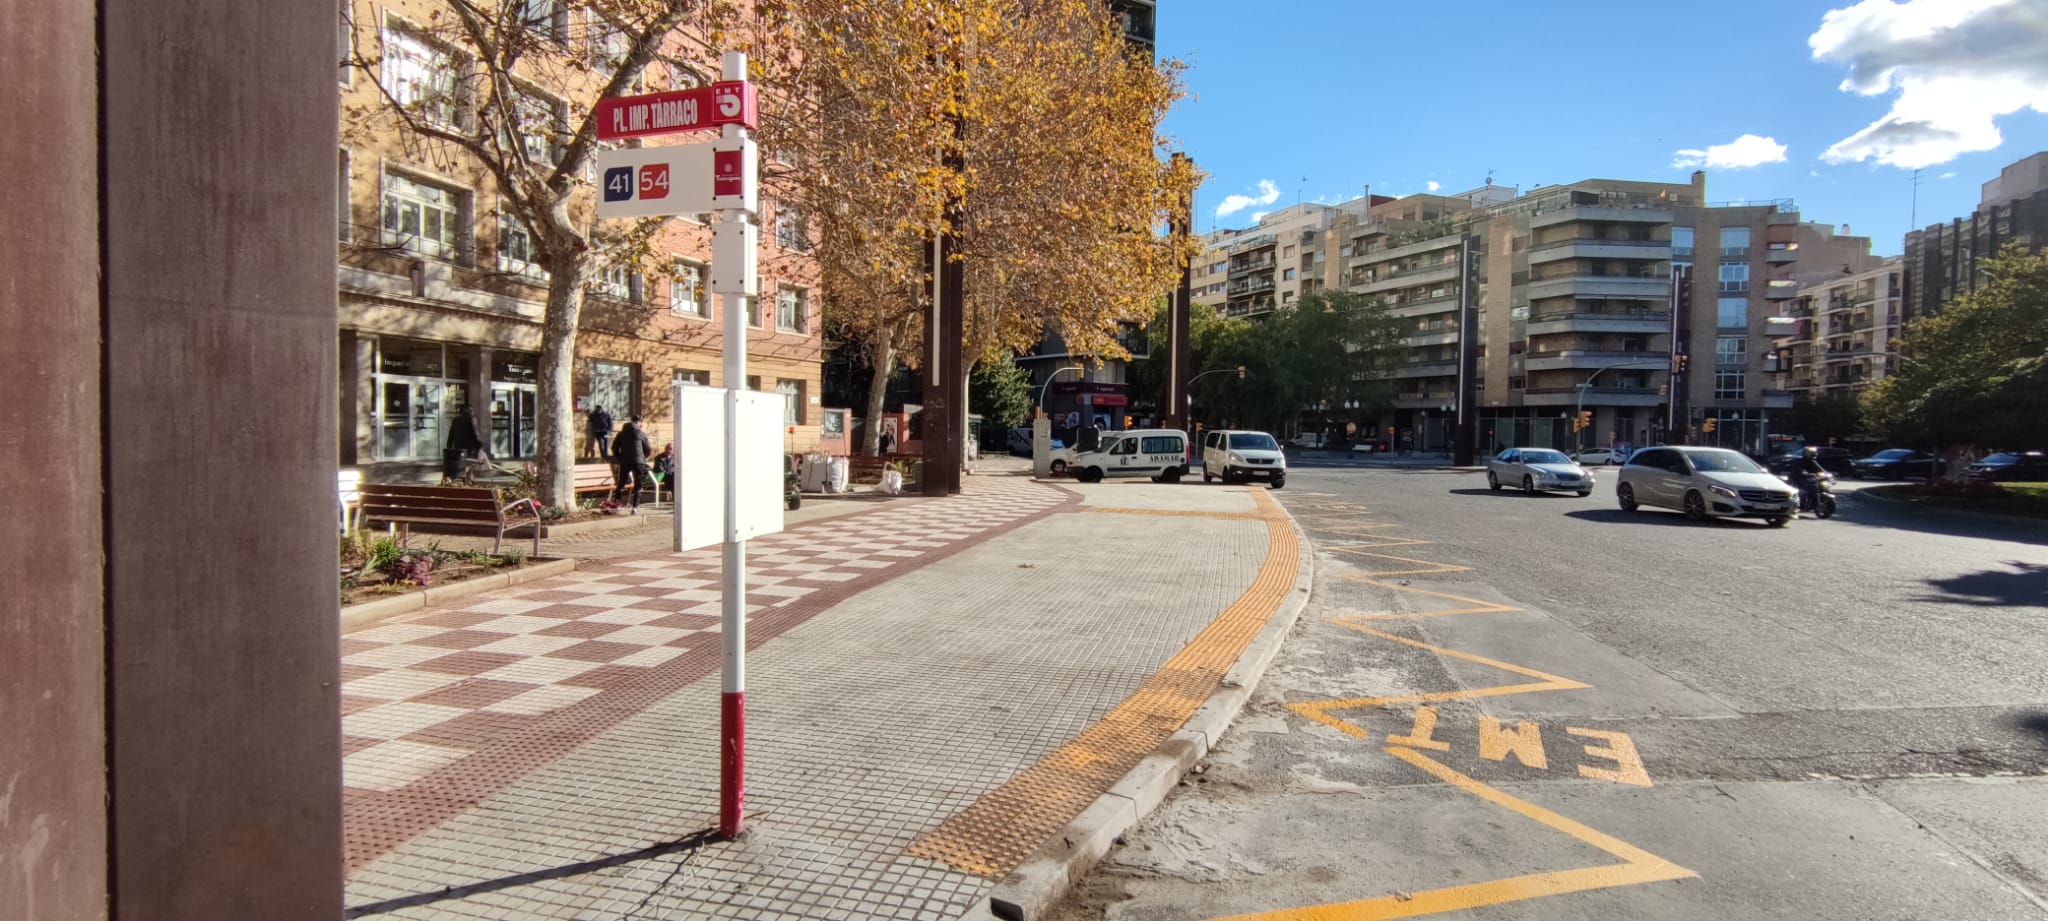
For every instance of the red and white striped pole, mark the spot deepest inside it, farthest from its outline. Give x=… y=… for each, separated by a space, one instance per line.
x=732 y=741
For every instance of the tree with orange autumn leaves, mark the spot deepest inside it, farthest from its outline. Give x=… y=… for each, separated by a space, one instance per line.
x=1028 y=128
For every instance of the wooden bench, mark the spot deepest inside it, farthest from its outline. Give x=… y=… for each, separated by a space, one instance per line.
x=862 y=468
x=604 y=478
x=432 y=506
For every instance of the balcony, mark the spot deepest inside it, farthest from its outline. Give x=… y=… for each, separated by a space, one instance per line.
x=1251 y=287
x=1594 y=396
x=1445 y=368
x=1556 y=250
x=1425 y=400
x=1444 y=335
x=1624 y=286
x=1781 y=289
x=1590 y=322
x=1416 y=275
x=1423 y=307
x=1590 y=359
x=1264 y=265
x=1251 y=243
x=1777 y=399
x=1782 y=252
x=1615 y=214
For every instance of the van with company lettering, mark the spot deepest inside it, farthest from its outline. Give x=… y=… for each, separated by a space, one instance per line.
x=1161 y=454
x=1240 y=457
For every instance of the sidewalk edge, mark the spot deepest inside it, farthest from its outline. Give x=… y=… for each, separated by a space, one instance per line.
x=1050 y=873
x=370 y=612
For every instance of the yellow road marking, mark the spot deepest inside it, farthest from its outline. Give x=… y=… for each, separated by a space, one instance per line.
x=1638 y=866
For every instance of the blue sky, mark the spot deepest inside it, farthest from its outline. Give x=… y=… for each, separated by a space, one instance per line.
x=1402 y=94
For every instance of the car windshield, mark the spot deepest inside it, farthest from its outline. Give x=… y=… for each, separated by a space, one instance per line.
x=2001 y=459
x=1545 y=457
x=1253 y=441
x=1723 y=462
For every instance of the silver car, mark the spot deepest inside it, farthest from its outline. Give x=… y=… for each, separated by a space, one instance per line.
x=1705 y=483
x=1536 y=469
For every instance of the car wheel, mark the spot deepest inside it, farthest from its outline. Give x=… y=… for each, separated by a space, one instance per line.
x=1089 y=475
x=1627 y=495
x=1206 y=476
x=1279 y=481
x=1172 y=475
x=1776 y=521
x=1492 y=482
x=1695 y=506
x=796 y=501
x=1528 y=483
x=1059 y=468
x=1583 y=493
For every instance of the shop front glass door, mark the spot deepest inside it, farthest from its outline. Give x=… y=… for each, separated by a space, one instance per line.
x=411 y=419
x=512 y=416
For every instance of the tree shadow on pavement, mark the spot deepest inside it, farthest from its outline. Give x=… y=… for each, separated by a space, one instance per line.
x=1648 y=517
x=1863 y=513
x=2018 y=585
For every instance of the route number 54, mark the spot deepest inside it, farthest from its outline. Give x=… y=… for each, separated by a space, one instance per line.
x=654 y=181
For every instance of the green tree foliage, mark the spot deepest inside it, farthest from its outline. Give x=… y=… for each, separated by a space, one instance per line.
x=1215 y=339
x=1835 y=415
x=1000 y=392
x=1977 y=371
x=1331 y=348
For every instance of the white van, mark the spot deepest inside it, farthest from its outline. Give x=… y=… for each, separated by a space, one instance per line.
x=1236 y=457
x=1161 y=454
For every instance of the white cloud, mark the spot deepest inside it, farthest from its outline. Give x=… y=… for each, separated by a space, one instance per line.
x=1435 y=185
x=1956 y=64
x=1951 y=174
x=1232 y=204
x=1742 y=153
x=1258 y=216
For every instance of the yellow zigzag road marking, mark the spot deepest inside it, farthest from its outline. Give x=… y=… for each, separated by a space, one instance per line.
x=1638 y=865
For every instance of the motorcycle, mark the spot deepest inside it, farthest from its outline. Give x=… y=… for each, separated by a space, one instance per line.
x=1817 y=495
x=792 y=494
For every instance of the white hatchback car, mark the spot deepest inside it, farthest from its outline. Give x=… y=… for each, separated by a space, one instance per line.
x=1535 y=469
x=1705 y=483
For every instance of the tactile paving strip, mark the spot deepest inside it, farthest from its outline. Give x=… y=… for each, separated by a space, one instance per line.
x=1000 y=830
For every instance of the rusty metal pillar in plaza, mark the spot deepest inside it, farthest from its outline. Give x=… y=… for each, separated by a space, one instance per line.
x=1180 y=351
x=168 y=343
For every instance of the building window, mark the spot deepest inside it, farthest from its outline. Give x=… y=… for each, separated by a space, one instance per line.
x=516 y=253
x=792 y=310
x=1681 y=244
x=753 y=382
x=1734 y=278
x=424 y=217
x=1731 y=350
x=422 y=77
x=686 y=293
x=347 y=46
x=544 y=17
x=696 y=378
x=611 y=386
x=790 y=232
x=792 y=401
x=1728 y=385
x=348 y=231
x=754 y=313
x=539 y=123
x=1735 y=243
x=1286 y=274
x=609 y=45
x=1732 y=313
x=618 y=282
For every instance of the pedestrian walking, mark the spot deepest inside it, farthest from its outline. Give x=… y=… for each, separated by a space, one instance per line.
x=629 y=456
x=888 y=441
x=600 y=429
x=463 y=441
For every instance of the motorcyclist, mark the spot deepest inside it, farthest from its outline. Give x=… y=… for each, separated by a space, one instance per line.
x=1806 y=474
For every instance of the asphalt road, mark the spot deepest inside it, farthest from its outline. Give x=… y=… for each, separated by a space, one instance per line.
x=1508 y=706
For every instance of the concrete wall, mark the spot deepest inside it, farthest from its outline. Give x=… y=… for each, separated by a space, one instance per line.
x=52 y=797
x=168 y=660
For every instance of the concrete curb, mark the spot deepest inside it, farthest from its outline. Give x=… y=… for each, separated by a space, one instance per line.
x=370 y=612
x=1045 y=877
x=1914 y=508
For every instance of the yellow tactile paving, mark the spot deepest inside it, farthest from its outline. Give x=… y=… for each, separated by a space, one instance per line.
x=1182 y=513
x=995 y=834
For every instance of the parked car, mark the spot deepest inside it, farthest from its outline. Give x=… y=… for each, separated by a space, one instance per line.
x=1705 y=483
x=1536 y=469
x=1308 y=440
x=1595 y=456
x=1020 y=442
x=2011 y=467
x=1896 y=464
x=1161 y=454
x=1236 y=457
x=1838 y=461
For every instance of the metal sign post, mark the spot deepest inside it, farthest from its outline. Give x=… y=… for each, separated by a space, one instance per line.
x=728 y=470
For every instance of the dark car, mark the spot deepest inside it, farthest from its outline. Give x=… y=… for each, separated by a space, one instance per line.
x=2012 y=467
x=1896 y=464
x=1838 y=461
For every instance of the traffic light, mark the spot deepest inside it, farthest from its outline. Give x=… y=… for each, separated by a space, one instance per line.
x=1127 y=423
x=1585 y=420
x=1240 y=372
x=1678 y=364
x=1707 y=426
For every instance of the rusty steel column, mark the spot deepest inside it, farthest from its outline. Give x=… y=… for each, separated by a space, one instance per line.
x=53 y=828
x=218 y=153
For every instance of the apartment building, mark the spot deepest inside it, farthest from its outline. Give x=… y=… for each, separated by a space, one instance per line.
x=1845 y=332
x=1249 y=272
x=441 y=289
x=1943 y=260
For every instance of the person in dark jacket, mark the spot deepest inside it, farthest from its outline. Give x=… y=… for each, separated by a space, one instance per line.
x=629 y=455
x=600 y=434
x=463 y=442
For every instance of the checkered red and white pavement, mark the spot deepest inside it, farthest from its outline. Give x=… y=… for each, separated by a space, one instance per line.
x=444 y=708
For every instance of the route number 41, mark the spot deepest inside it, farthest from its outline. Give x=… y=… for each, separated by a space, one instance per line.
x=620 y=183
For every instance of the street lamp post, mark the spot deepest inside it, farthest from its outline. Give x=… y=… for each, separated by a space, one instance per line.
x=1048 y=383
x=1190 y=391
